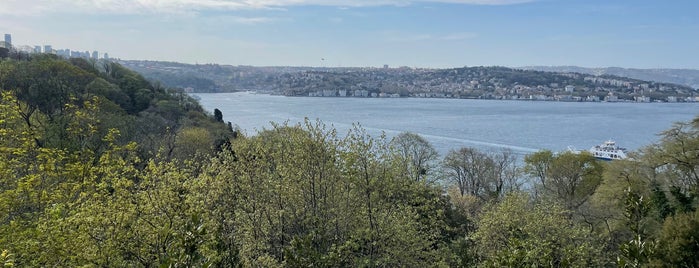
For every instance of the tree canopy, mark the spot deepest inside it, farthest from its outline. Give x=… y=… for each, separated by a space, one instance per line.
x=99 y=167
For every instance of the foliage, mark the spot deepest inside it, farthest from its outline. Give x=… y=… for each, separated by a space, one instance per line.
x=678 y=241
x=112 y=171
x=415 y=154
x=569 y=178
x=638 y=251
x=519 y=233
x=487 y=176
x=676 y=159
x=303 y=196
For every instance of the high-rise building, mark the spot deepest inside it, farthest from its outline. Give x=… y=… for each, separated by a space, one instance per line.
x=95 y=55
x=48 y=49
x=37 y=49
x=106 y=56
x=63 y=53
x=8 y=39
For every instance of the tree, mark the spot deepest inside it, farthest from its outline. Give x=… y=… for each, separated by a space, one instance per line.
x=676 y=160
x=623 y=208
x=110 y=91
x=192 y=143
x=482 y=175
x=416 y=155
x=678 y=241
x=519 y=233
x=218 y=115
x=637 y=251
x=568 y=177
x=74 y=192
x=4 y=52
x=45 y=84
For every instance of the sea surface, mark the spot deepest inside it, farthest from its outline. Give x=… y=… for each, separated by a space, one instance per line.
x=521 y=126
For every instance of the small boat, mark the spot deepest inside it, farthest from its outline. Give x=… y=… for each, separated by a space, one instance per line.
x=608 y=151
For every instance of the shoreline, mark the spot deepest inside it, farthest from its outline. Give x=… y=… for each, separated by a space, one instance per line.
x=446 y=98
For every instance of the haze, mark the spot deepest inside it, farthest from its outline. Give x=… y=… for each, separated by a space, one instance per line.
x=437 y=33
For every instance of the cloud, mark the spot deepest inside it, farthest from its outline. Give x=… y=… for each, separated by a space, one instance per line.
x=401 y=37
x=37 y=7
x=459 y=36
x=252 y=20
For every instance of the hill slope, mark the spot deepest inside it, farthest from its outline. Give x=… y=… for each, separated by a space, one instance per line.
x=687 y=77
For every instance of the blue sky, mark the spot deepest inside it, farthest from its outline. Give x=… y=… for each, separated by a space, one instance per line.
x=331 y=33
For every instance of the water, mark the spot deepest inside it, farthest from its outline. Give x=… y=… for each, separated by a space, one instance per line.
x=521 y=126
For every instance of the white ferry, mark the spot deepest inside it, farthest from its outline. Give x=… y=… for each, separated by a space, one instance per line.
x=608 y=151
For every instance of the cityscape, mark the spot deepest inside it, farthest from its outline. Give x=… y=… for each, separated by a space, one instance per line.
x=63 y=52
x=478 y=82
x=461 y=83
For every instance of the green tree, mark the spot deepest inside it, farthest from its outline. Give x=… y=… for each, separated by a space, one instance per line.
x=416 y=155
x=569 y=178
x=676 y=160
x=638 y=251
x=678 y=241
x=519 y=233
x=192 y=143
x=218 y=115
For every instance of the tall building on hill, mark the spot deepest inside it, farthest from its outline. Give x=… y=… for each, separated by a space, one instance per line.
x=95 y=55
x=48 y=49
x=37 y=49
x=8 y=39
x=106 y=56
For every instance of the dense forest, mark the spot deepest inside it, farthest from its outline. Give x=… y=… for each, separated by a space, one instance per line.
x=101 y=168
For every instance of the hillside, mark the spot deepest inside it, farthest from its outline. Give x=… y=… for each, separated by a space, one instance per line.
x=467 y=82
x=103 y=97
x=100 y=168
x=687 y=77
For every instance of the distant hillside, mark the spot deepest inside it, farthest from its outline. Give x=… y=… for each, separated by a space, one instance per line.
x=478 y=82
x=210 y=77
x=468 y=82
x=687 y=77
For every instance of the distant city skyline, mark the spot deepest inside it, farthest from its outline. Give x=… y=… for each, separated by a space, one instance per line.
x=63 y=52
x=357 y=33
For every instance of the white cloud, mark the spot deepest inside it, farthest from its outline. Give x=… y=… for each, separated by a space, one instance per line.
x=402 y=37
x=247 y=20
x=35 y=7
x=459 y=36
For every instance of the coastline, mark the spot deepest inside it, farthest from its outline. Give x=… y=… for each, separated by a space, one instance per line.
x=378 y=96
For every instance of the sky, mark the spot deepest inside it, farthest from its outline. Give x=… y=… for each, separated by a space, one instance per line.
x=361 y=33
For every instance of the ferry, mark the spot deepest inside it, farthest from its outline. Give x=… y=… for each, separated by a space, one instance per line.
x=608 y=151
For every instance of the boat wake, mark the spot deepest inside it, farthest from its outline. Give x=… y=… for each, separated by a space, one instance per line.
x=455 y=143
